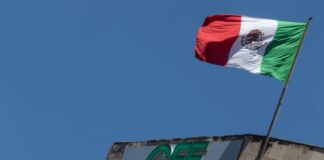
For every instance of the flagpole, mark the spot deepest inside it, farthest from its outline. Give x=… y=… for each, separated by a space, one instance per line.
x=283 y=92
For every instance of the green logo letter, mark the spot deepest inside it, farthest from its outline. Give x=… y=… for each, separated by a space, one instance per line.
x=162 y=152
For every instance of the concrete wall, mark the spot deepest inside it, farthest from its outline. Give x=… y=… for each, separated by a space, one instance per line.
x=277 y=150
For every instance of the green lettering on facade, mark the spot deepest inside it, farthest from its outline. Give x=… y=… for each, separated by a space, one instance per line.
x=162 y=152
x=183 y=151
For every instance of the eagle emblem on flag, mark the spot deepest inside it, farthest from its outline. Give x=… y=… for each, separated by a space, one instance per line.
x=253 y=40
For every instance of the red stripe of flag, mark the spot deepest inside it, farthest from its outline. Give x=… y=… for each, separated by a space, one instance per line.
x=216 y=37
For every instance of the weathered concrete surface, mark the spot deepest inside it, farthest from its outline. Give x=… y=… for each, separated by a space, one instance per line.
x=283 y=150
x=277 y=150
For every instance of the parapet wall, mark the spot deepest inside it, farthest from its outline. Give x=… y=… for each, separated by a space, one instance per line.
x=237 y=147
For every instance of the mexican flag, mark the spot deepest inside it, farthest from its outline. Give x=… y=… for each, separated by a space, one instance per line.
x=260 y=46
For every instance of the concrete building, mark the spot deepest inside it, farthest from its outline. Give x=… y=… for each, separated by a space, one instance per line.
x=236 y=147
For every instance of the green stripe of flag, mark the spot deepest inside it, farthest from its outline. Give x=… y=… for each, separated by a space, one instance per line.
x=280 y=53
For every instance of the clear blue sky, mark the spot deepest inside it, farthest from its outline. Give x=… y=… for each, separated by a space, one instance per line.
x=78 y=75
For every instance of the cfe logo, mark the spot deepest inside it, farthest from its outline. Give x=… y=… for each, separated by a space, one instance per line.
x=183 y=151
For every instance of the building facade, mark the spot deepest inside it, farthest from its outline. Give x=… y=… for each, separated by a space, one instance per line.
x=236 y=147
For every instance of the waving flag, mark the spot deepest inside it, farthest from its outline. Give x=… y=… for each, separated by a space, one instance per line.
x=260 y=46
